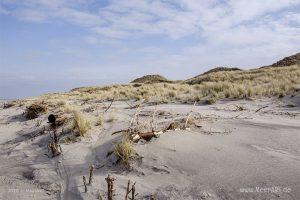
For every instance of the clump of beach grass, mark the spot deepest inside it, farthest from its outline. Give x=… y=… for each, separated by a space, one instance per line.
x=124 y=151
x=34 y=110
x=80 y=124
x=61 y=102
x=99 y=121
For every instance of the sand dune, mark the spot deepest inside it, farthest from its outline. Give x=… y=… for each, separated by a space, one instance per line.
x=249 y=153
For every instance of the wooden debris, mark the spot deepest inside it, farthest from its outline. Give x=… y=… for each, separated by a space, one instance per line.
x=261 y=108
x=84 y=183
x=132 y=191
x=127 y=190
x=147 y=136
x=55 y=149
x=109 y=105
x=189 y=115
x=92 y=167
x=110 y=187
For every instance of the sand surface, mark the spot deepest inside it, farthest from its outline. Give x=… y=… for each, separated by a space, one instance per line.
x=232 y=154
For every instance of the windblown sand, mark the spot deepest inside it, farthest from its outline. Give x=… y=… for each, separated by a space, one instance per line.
x=233 y=154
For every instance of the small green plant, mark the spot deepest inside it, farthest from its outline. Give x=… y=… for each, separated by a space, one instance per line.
x=80 y=124
x=124 y=151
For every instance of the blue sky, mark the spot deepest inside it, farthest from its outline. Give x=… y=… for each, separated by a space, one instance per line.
x=56 y=45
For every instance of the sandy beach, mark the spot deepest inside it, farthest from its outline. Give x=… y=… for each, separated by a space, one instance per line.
x=149 y=100
x=238 y=150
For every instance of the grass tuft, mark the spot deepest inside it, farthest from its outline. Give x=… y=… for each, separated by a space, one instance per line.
x=99 y=121
x=124 y=151
x=34 y=110
x=81 y=124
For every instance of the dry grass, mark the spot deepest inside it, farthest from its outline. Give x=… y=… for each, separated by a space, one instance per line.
x=99 y=121
x=124 y=151
x=61 y=103
x=264 y=82
x=80 y=124
x=34 y=110
x=151 y=79
x=111 y=118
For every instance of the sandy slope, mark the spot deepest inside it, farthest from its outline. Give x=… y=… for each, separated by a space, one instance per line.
x=233 y=155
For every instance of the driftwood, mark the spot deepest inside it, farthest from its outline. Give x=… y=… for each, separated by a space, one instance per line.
x=135 y=133
x=110 y=187
x=109 y=105
x=53 y=145
x=134 y=118
x=127 y=190
x=153 y=124
x=261 y=108
x=84 y=183
x=135 y=106
x=147 y=136
x=189 y=115
x=132 y=191
x=120 y=131
x=55 y=137
x=55 y=149
x=133 y=194
x=92 y=167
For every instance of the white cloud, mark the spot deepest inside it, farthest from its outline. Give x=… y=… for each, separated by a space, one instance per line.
x=229 y=30
x=176 y=18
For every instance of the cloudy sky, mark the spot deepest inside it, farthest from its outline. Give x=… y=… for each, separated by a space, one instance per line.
x=55 y=45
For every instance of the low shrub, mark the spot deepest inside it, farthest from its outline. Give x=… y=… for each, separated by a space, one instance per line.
x=35 y=110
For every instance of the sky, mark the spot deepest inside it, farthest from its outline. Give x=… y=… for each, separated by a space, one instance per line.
x=57 y=45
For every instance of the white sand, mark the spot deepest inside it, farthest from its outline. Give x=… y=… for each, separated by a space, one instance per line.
x=234 y=150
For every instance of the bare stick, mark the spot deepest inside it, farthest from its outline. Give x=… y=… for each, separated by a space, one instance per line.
x=109 y=105
x=153 y=119
x=55 y=137
x=187 y=119
x=110 y=187
x=127 y=190
x=134 y=118
x=60 y=148
x=147 y=136
x=131 y=106
x=261 y=108
x=132 y=192
x=52 y=148
x=133 y=195
x=120 y=131
x=91 y=174
x=84 y=183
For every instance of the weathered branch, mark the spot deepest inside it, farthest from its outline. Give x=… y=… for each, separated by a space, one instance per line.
x=84 y=183
x=91 y=174
x=110 y=187
x=261 y=108
x=127 y=190
x=109 y=105
x=187 y=119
